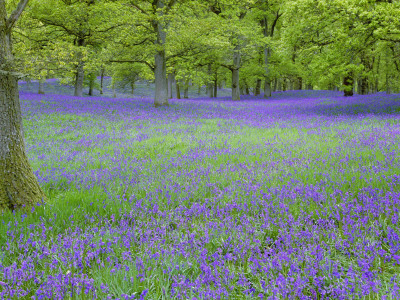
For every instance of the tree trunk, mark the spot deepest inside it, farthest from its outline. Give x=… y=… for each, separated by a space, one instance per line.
x=235 y=74
x=267 y=84
x=132 y=88
x=388 y=85
x=275 y=87
x=178 y=90
x=91 y=85
x=41 y=87
x=18 y=185
x=170 y=84
x=299 y=84
x=114 y=91
x=186 y=90
x=247 y=90
x=348 y=85
x=210 y=87
x=160 y=70
x=284 y=84
x=376 y=85
x=80 y=73
x=257 y=90
x=102 y=82
x=215 y=87
x=363 y=86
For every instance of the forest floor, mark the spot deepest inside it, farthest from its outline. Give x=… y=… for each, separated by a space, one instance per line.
x=294 y=197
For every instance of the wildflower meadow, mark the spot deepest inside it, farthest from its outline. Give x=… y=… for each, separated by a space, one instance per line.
x=294 y=197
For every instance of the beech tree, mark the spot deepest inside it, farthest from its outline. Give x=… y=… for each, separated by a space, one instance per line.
x=19 y=187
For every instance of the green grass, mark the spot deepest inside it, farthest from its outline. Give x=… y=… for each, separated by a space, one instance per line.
x=242 y=145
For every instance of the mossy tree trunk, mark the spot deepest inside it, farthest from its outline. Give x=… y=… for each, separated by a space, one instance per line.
x=19 y=187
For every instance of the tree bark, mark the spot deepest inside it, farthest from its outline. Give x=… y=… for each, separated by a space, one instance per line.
x=160 y=70
x=257 y=90
x=41 y=87
x=170 y=84
x=102 y=82
x=19 y=188
x=247 y=90
x=178 y=90
x=299 y=84
x=275 y=87
x=80 y=76
x=267 y=83
x=210 y=87
x=348 y=85
x=235 y=74
x=114 y=91
x=186 y=89
x=215 y=87
x=363 y=85
x=91 y=85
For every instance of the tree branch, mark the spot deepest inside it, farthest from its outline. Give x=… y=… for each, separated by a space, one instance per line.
x=133 y=61
x=16 y=14
x=278 y=15
x=138 y=8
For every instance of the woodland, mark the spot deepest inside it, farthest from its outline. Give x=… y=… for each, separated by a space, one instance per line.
x=199 y=149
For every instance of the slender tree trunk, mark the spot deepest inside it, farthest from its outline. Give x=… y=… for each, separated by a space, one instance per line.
x=91 y=84
x=257 y=90
x=247 y=90
x=114 y=91
x=160 y=70
x=132 y=88
x=210 y=87
x=178 y=90
x=170 y=84
x=348 y=85
x=102 y=81
x=363 y=85
x=41 y=86
x=284 y=84
x=299 y=84
x=18 y=185
x=215 y=87
x=235 y=74
x=275 y=87
x=267 y=83
x=388 y=85
x=186 y=90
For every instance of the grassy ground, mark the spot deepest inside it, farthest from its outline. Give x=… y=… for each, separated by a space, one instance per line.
x=296 y=197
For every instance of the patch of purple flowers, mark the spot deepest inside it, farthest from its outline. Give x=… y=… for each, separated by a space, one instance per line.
x=296 y=197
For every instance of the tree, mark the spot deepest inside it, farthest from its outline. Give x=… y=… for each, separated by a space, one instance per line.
x=80 y=25
x=19 y=187
x=240 y=32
